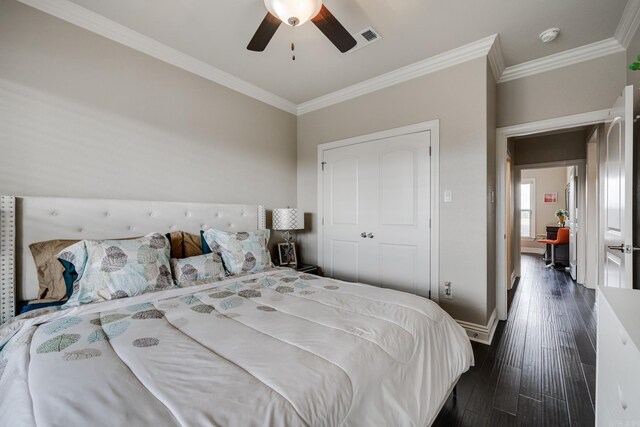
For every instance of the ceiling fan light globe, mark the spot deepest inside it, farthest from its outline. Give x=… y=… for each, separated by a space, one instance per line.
x=294 y=11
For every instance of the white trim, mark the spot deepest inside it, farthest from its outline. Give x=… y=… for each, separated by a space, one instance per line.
x=628 y=25
x=477 y=49
x=481 y=333
x=96 y=23
x=496 y=60
x=434 y=127
x=562 y=59
x=530 y=250
x=502 y=136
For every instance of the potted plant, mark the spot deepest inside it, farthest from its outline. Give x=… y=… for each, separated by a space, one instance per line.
x=562 y=215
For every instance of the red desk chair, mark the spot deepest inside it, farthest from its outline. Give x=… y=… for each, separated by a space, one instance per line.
x=561 y=239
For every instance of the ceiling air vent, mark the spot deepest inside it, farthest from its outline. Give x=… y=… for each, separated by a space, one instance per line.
x=365 y=38
x=369 y=35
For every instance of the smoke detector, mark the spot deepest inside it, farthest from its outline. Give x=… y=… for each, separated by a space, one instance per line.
x=549 y=35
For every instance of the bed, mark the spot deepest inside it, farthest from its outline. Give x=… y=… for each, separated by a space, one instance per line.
x=272 y=348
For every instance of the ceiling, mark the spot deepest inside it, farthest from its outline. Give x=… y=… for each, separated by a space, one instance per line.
x=217 y=33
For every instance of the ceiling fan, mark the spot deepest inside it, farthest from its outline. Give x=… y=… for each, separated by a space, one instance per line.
x=298 y=12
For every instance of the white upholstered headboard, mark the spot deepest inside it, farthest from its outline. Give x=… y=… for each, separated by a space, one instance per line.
x=26 y=220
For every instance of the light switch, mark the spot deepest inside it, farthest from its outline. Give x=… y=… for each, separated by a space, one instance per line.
x=447 y=196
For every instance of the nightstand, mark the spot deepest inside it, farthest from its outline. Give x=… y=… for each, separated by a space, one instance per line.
x=311 y=269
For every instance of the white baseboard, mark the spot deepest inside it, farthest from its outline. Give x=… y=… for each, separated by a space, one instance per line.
x=481 y=333
x=526 y=250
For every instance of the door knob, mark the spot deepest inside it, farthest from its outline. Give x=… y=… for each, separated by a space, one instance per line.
x=617 y=248
x=370 y=235
x=363 y=235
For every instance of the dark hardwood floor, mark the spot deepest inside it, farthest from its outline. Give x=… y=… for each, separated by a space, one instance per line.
x=540 y=368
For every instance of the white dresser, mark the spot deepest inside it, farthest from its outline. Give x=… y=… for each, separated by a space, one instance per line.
x=618 y=361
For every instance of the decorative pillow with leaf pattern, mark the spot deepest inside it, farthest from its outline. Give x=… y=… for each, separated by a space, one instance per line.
x=125 y=268
x=243 y=252
x=197 y=269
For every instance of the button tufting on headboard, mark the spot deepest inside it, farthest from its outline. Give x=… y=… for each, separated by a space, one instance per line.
x=47 y=218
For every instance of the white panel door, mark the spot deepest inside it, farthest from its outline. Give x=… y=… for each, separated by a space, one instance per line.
x=572 y=195
x=376 y=212
x=617 y=173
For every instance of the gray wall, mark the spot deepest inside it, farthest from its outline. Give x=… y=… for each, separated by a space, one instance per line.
x=551 y=148
x=633 y=77
x=458 y=97
x=82 y=116
x=588 y=86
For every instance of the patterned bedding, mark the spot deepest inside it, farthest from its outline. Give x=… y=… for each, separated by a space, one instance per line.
x=277 y=348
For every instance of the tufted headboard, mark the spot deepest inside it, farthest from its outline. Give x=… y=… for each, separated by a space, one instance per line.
x=26 y=220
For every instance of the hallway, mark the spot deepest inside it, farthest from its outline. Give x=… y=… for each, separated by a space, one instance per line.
x=540 y=369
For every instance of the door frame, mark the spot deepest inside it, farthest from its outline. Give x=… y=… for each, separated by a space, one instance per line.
x=502 y=136
x=434 y=245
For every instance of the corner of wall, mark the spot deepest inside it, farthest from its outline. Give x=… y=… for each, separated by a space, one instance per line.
x=491 y=113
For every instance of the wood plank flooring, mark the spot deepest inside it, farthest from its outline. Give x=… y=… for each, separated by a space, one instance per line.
x=540 y=368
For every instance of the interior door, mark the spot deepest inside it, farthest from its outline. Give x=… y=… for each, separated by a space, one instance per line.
x=617 y=167
x=573 y=222
x=376 y=212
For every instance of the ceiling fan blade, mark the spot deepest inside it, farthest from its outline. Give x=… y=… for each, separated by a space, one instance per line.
x=265 y=32
x=329 y=25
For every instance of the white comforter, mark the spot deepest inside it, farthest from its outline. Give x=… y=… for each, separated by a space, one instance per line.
x=272 y=349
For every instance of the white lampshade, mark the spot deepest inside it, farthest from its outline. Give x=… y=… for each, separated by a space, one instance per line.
x=287 y=219
x=294 y=12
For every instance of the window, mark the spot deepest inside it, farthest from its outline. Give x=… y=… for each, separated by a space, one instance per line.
x=527 y=209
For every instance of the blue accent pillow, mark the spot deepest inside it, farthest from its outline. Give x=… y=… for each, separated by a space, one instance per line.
x=73 y=260
x=70 y=275
x=30 y=307
x=205 y=246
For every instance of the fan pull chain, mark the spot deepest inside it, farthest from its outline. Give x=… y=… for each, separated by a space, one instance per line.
x=293 y=42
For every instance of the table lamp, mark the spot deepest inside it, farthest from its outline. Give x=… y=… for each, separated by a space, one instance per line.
x=287 y=219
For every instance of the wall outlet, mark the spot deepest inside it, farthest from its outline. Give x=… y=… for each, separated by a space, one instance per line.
x=448 y=290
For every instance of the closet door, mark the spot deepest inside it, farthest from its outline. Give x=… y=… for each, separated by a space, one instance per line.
x=376 y=212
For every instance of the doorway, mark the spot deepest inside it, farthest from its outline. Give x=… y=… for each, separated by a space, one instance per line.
x=506 y=147
x=614 y=199
x=544 y=191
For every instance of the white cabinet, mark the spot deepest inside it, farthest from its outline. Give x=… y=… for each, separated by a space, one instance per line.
x=618 y=361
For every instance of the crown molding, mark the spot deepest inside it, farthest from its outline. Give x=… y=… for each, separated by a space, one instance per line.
x=562 y=59
x=444 y=60
x=629 y=23
x=488 y=46
x=496 y=60
x=105 y=27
